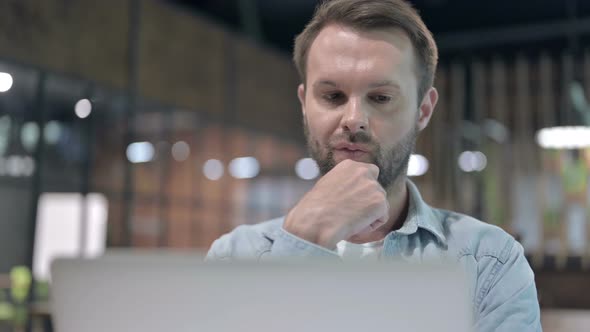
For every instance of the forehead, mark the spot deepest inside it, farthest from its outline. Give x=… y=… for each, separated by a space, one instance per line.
x=342 y=50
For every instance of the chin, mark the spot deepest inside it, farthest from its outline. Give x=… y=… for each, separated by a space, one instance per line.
x=364 y=158
x=361 y=160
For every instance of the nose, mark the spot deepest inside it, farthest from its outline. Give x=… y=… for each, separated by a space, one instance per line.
x=355 y=117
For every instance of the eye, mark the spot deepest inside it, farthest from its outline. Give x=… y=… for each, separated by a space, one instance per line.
x=381 y=99
x=334 y=97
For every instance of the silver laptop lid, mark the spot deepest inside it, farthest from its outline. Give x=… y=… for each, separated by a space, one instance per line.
x=177 y=292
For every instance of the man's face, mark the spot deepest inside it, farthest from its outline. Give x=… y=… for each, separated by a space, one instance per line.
x=360 y=100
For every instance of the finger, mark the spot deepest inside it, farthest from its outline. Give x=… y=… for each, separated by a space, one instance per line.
x=382 y=219
x=377 y=224
x=370 y=228
x=382 y=190
x=373 y=170
x=384 y=215
x=387 y=208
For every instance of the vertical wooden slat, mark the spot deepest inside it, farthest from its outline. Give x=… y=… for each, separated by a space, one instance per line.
x=586 y=83
x=550 y=182
x=491 y=209
x=526 y=208
x=522 y=118
x=567 y=76
x=457 y=109
x=544 y=97
x=500 y=165
x=478 y=106
x=439 y=164
x=565 y=118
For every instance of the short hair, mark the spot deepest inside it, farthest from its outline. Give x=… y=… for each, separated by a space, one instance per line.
x=366 y=15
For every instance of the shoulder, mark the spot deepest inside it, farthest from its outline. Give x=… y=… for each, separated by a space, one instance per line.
x=470 y=236
x=246 y=241
x=503 y=289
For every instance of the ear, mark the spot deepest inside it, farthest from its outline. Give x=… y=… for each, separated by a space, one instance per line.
x=301 y=95
x=427 y=108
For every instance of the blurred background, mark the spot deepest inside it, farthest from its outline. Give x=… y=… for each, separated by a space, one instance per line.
x=165 y=124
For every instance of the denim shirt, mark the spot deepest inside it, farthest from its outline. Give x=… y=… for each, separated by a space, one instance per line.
x=502 y=284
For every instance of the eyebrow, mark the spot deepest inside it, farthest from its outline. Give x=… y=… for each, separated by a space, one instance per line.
x=325 y=82
x=379 y=84
x=388 y=83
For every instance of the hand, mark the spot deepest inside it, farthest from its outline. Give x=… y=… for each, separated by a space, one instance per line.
x=346 y=201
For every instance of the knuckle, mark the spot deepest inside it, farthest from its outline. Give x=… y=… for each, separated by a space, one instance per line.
x=370 y=168
x=359 y=172
x=346 y=162
x=376 y=198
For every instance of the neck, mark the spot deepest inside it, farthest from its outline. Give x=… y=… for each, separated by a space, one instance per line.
x=398 y=198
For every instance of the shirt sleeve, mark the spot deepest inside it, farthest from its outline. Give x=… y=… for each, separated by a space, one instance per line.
x=507 y=299
x=244 y=244
x=220 y=249
x=289 y=245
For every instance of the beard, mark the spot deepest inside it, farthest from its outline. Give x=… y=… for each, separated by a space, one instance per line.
x=392 y=162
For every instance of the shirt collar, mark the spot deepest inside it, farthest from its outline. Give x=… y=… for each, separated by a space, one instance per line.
x=420 y=215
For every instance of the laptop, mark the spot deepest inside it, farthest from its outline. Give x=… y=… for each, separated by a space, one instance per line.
x=163 y=291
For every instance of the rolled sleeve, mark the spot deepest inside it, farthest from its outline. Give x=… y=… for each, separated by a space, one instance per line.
x=289 y=245
x=219 y=250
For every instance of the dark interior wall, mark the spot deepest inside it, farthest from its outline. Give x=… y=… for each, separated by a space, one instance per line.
x=83 y=38
x=184 y=62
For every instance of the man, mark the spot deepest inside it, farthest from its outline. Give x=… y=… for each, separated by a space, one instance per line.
x=367 y=69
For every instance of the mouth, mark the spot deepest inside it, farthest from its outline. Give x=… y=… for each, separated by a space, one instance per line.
x=351 y=147
x=346 y=153
x=354 y=151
